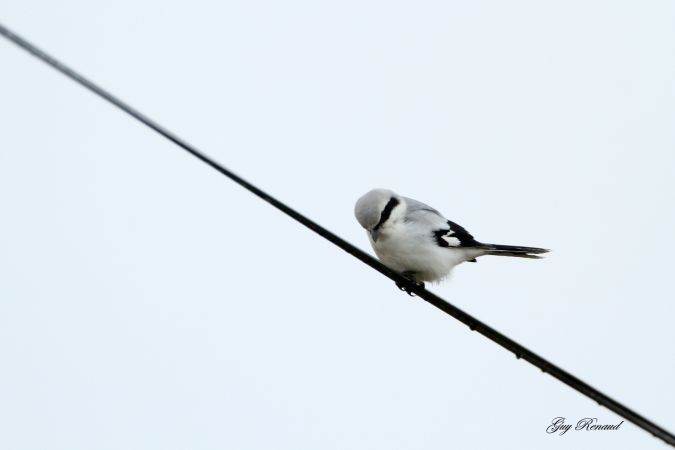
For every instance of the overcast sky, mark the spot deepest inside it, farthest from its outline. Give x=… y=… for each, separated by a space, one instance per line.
x=147 y=302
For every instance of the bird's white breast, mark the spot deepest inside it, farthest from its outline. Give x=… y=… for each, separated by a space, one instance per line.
x=410 y=246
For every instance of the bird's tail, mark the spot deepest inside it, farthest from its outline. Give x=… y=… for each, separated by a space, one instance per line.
x=513 y=250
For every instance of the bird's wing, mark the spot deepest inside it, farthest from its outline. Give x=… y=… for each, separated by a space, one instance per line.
x=445 y=232
x=454 y=235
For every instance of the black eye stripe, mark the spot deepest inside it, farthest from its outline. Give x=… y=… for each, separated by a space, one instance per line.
x=386 y=212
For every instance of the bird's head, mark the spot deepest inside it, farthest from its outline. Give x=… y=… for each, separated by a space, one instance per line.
x=377 y=210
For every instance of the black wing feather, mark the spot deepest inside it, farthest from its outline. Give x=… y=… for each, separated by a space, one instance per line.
x=464 y=238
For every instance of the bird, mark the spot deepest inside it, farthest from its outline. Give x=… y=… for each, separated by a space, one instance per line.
x=417 y=241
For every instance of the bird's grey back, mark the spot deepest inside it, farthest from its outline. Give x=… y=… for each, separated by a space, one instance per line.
x=423 y=214
x=415 y=205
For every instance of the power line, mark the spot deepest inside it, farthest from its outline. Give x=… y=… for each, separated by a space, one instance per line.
x=473 y=323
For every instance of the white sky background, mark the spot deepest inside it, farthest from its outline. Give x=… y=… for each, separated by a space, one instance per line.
x=148 y=302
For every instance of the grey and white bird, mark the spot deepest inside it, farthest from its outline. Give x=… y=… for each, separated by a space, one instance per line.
x=416 y=240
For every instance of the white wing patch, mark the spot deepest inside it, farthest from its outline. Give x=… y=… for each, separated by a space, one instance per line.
x=451 y=240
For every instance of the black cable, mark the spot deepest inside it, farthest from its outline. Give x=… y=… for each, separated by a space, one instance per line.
x=471 y=322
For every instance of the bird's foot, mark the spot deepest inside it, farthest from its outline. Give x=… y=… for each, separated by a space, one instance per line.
x=411 y=277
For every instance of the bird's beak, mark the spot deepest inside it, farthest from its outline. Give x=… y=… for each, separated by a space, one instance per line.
x=374 y=234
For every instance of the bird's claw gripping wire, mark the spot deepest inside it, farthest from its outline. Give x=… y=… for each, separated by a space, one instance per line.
x=410 y=276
